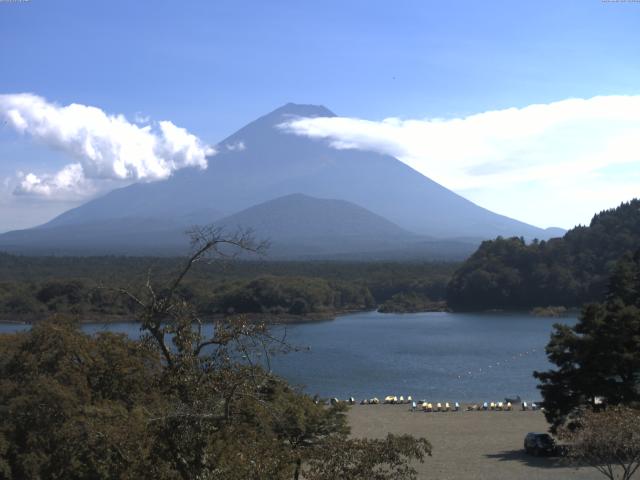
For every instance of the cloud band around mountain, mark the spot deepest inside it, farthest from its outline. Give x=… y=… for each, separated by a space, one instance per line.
x=106 y=147
x=534 y=143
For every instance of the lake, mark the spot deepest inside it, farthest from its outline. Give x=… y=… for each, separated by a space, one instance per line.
x=437 y=356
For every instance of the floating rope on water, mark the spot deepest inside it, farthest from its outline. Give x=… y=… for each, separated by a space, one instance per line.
x=495 y=365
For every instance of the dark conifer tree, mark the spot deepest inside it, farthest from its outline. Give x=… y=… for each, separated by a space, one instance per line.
x=598 y=359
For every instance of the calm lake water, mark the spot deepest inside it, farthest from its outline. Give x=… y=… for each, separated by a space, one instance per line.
x=437 y=356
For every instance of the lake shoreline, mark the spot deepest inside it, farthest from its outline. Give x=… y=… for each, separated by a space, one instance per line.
x=281 y=318
x=269 y=318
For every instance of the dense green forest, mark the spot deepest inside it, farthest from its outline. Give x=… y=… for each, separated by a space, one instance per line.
x=32 y=288
x=508 y=273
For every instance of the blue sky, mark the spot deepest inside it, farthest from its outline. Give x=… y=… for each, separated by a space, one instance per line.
x=210 y=67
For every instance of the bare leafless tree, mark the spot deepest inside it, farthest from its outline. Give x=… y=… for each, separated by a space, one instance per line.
x=164 y=315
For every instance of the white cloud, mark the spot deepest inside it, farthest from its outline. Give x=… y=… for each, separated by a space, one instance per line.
x=236 y=147
x=564 y=145
x=70 y=179
x=107 y=147
x=141 y=119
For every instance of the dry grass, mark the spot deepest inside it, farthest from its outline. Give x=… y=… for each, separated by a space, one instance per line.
x=468 y=445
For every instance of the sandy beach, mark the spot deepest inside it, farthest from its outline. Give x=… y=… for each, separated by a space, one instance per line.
x=468 y=445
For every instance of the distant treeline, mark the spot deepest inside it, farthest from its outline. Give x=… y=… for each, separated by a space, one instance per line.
x=507 y=273
x=32 y=288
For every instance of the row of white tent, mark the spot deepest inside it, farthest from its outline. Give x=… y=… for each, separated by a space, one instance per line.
x=501 y=406
x=439 y=407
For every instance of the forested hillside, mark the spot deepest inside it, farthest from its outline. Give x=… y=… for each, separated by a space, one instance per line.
x=507 y=273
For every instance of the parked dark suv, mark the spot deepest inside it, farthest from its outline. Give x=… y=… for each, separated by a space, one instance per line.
x=540 y=444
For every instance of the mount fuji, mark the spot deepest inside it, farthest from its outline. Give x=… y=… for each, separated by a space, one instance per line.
x=310 y=199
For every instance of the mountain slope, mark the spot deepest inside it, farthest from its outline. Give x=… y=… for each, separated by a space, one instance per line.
x=130 y=235
x=301 y=225
x=302 y=216
x=297 y=227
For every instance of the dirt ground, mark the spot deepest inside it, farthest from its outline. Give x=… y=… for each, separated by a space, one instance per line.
x=468 y=445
